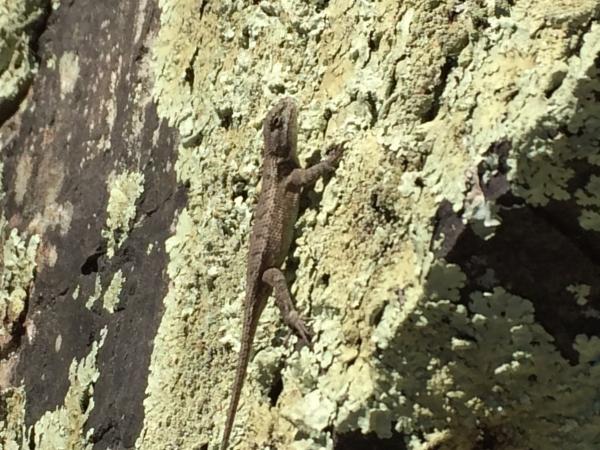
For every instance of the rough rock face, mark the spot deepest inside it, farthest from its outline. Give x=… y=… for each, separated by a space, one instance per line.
x=451 y=267
x=84 y=144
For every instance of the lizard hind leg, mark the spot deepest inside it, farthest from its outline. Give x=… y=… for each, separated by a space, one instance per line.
x=275 y=278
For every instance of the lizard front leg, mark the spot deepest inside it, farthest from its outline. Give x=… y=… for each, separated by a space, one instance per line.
x=302 y=177
x=275 y=278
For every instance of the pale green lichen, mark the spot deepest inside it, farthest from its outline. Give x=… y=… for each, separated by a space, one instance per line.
x=581 y=292
x=588 y=349
x=96 y=294
x=64 y=427
x=543 y=167
x=17 y=271
x=17 y=62
x=12 y=428
x=589 y=199
x=395 y=341
x=111 y=295
x=506 y=369
x=125 y=189
x=68 y=69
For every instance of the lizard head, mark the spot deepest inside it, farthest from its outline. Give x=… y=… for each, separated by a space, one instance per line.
x=280 y=130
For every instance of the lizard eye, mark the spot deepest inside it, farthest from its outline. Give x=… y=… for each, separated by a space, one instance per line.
x=275 y=123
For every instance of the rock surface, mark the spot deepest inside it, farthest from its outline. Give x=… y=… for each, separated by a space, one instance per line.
x=451 y=267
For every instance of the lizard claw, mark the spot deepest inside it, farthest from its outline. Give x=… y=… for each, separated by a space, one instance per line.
x=301 y=330
x=304 y=333
x=335 y=152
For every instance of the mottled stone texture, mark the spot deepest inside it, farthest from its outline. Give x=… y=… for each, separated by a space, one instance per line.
x=87 y=115
x=450 y=268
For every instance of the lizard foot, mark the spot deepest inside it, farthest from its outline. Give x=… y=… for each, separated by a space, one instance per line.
x=334 y=153
x=275 y=278
x=295 y=322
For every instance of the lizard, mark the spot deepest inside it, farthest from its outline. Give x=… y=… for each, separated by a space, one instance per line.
x=271 y=235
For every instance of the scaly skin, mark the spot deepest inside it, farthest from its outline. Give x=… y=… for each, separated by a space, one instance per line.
x=272 y=232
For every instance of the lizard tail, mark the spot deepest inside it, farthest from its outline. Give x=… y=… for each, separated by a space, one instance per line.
x=248 y=331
